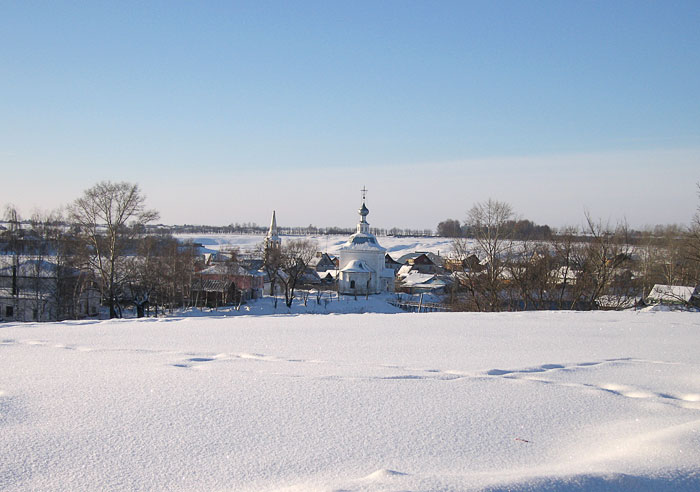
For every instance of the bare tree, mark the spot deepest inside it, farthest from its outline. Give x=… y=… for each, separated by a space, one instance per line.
x=494 y=243
x=466 y=293
x=479 y=263
x=110 y=215
x=44 y=271
x=532 y=276
x=567 y=253
x=176 y=269
x=650 y=265
x=295 y=257
x=606 y=252
x=674 y=266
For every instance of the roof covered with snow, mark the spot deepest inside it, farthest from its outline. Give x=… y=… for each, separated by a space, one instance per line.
x=357 y=266
x=362 y=241
x=31 y=268
x=415 y=279
x=670 y=293
x=224 y=269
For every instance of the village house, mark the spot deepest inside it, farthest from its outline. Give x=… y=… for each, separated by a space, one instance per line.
x=33 y=289
x=322 y=262
x=422 y=262
x=674 y=295
x=469 y=264
x=421 y=283
x=225 y=283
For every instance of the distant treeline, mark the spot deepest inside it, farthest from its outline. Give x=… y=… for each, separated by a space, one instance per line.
x=516 y=229
x=253 y=228
x=527 y=230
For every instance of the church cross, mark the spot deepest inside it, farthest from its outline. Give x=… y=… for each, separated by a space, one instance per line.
x=364 y=193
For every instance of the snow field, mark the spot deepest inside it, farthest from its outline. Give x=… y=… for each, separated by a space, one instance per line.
x=396 y=246
x=553 y=401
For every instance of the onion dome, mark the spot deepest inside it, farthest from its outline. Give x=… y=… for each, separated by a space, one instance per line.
x=364 y=211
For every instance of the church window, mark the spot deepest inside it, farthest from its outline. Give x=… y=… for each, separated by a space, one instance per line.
x=352 y=284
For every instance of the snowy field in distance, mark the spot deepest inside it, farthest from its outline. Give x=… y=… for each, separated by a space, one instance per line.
x=555 y=401
x=396 y=246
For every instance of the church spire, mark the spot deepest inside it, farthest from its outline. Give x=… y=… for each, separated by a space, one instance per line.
x=363 y=225
x=273 y=225
x=272 y=240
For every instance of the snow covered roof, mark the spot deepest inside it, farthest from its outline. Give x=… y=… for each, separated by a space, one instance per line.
x=415 y=279
x=224 y=269
x=670 y=293
x=279 y=274
x=310 y=276
x=32 y=268
x=221 y=256
x=357 y=266
x=322 y=259
x=211 y=285
x=363 y=241
x=332 y=274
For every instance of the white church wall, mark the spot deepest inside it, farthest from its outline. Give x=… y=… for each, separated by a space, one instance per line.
x=373 y=259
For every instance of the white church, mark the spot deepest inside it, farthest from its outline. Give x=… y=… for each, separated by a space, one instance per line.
x=362 y=261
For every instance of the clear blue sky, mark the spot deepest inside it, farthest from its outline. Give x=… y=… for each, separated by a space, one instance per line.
x=222 y=111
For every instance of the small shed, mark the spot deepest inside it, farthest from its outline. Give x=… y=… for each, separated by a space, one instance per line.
x=673 y=295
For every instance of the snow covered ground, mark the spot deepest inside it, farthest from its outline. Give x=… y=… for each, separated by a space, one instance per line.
x=396 y=246
x=327 y=303
x=555 y=401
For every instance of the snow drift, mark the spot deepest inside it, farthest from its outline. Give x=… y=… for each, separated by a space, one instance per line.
x=555 y=401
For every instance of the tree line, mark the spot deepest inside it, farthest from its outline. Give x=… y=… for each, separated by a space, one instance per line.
x=310 y=230
x=105 y=242
x=501 y=263
x=99 y=243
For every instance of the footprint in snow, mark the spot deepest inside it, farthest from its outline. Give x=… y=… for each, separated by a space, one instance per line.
x=198 y=361
x=384 y=473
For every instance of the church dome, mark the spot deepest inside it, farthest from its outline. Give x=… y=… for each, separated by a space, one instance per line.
x=364 y=211
x=362 y=241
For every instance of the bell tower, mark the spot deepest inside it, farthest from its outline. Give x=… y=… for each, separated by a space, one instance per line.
x=272 y=240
